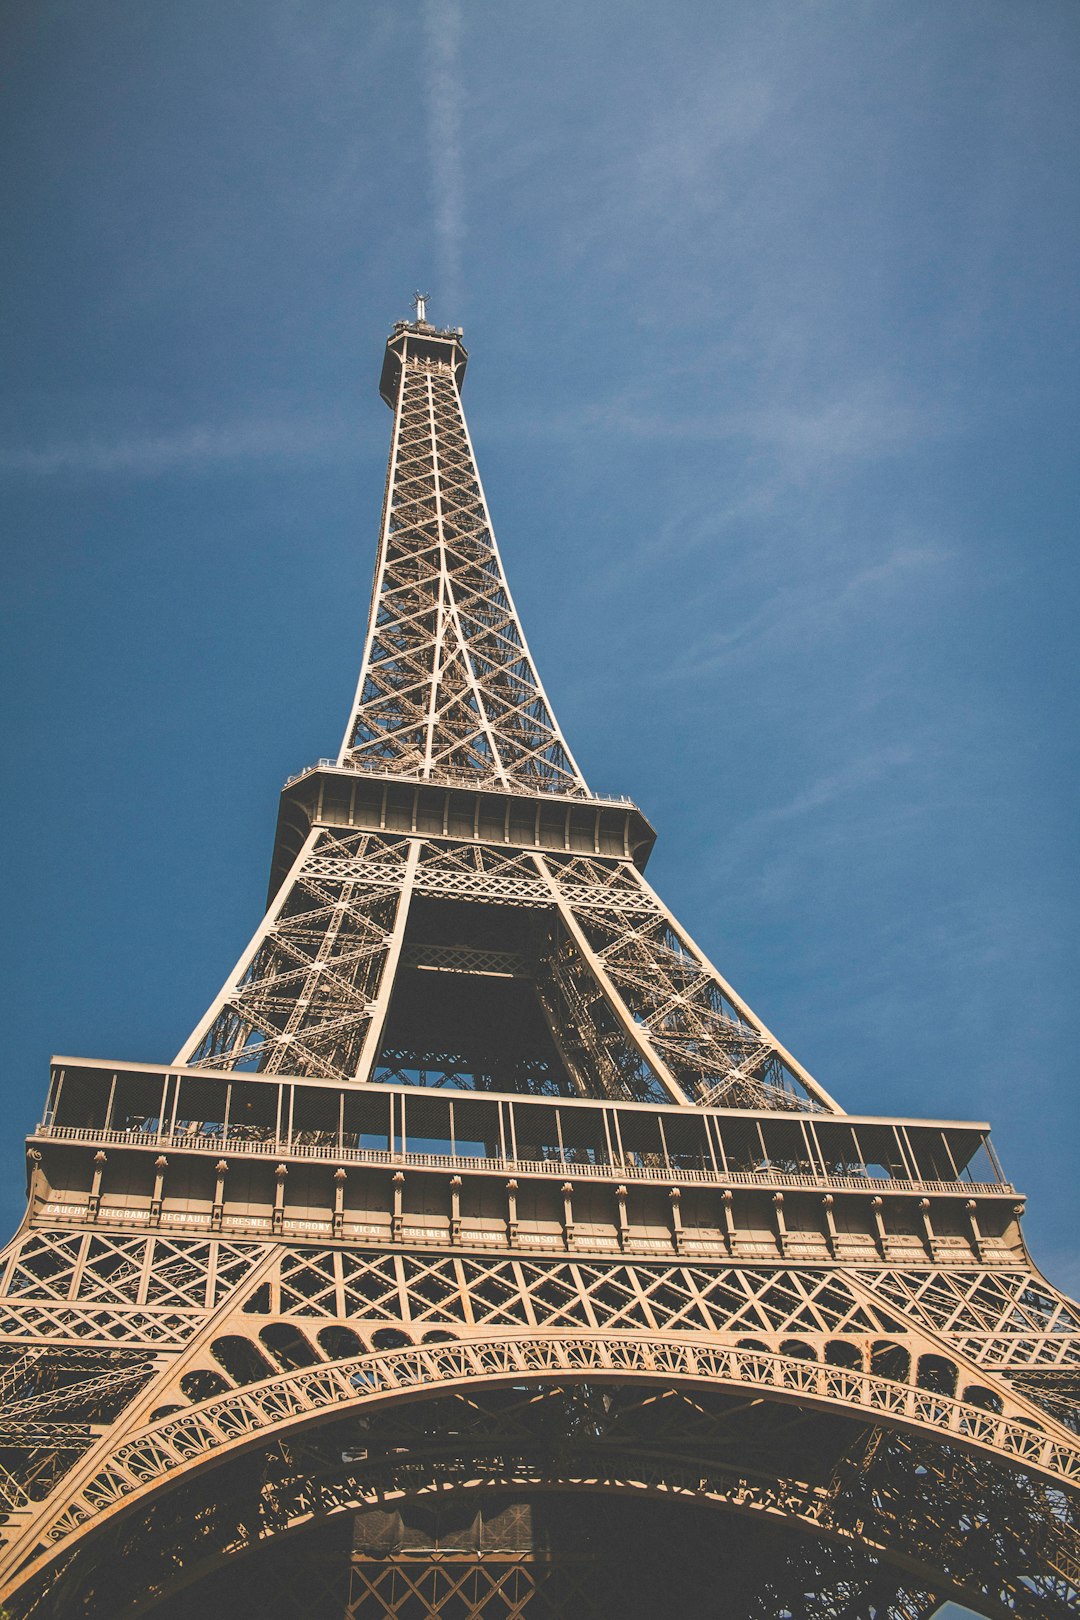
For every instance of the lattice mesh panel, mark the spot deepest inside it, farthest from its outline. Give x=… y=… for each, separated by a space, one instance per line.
x=448 y=689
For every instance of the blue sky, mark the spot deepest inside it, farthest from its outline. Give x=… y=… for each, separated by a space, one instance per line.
x=774 y=388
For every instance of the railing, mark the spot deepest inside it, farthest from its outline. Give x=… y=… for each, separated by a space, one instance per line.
x=563 y=1165
x=472 y=782
x=319 y=765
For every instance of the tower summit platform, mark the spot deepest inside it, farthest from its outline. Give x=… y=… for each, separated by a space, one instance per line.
x=419 y=341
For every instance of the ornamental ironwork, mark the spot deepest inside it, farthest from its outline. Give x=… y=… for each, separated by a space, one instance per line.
x=482 y=1253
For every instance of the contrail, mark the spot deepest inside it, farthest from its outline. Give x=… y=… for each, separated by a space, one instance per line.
x=442 y=30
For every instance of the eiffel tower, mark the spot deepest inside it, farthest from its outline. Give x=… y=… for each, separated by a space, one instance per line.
x=482 y=1253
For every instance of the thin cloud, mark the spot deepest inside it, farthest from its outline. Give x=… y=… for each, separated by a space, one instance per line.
x=808 y=615
x=187 y=448
x=865 y=421
x=442 y=34
x=866 y=770
x=870 y=799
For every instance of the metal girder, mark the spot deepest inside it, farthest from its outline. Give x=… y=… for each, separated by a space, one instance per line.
x=622 y=986
x=885 y=1406
x=447 y=688
x=838 y=1494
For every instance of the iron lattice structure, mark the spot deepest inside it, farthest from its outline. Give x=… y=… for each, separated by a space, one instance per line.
x=482 y=1253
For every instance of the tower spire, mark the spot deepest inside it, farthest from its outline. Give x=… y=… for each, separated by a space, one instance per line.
x=448 y=690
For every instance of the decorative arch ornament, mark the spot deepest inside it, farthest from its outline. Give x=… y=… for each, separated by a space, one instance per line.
x=172 y=1451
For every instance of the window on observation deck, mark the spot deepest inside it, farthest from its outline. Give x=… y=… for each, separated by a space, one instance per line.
x=786 y=1147
x=253 y=1111
x=84 y=1099
x=366 y=1120
x=315 y=1117
x=642 y=1142
x=201 y=1106
x=136 y=1104
x=685 y=1140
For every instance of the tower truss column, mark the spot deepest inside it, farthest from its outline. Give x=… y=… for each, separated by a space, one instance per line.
x=483 y=1254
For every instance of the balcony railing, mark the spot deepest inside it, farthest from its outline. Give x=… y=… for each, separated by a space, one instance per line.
x=332 y=1151
x=471 y=781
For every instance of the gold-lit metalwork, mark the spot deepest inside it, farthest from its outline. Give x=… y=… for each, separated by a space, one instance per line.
x=482 y=1254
